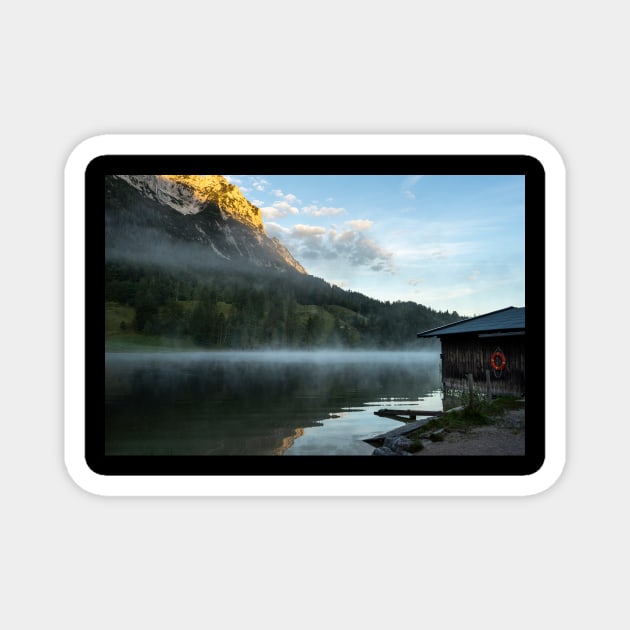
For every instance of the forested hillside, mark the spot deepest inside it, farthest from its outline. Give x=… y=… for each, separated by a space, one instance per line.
x=188 y=264
x=147 y=305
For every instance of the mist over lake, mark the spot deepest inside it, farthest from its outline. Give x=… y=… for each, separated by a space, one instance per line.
x=260 y=402
x=192 y=275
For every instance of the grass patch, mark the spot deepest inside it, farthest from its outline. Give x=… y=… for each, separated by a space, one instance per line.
x=497 y=406
x=118 y=318
x=480 y=413
x=416 y=442
x=135 y=342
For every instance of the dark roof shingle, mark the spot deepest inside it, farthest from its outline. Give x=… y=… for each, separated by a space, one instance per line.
x=508 y=319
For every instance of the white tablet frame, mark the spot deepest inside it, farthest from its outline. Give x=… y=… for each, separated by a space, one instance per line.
x=314 y=144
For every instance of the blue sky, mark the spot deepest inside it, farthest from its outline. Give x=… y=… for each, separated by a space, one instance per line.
x=451 y=242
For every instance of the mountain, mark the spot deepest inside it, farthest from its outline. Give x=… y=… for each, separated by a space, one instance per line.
x=188 y=264
x=191 y=221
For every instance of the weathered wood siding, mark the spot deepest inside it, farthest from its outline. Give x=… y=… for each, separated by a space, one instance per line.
x=464 y=354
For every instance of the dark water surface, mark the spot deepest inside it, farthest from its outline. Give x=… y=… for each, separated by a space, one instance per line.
x=260 y=403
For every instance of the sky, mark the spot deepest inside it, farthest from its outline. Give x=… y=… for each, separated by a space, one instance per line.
x=450 y=242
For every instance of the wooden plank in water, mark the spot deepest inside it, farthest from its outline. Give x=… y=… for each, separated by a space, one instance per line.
x=399 y=414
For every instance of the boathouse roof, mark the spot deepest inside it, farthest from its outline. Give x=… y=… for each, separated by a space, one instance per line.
x=505 y=322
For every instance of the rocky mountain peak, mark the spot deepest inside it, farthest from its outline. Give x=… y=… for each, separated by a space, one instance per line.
x=210 y=213
x=190 y=194
x=217 y=189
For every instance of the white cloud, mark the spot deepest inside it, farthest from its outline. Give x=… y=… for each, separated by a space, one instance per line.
x=324 y=211
x=312 y=242
x=275 y=229
x=308 y=230
x=271 y=213
x=288 y=197
x=259 y=183
x=286 y=207
x=408 y=184
x=360 y=224
x=278 y=210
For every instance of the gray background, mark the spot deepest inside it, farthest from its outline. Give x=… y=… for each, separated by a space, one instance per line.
x=74 y=70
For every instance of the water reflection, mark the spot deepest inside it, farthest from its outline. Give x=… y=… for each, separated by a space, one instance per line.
x=259 y=403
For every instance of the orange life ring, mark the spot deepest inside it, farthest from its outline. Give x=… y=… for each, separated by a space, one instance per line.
x=497 y=360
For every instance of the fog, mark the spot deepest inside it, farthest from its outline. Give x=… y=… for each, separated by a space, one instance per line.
x=329 y=356
x=255 y=402
x=152 y=248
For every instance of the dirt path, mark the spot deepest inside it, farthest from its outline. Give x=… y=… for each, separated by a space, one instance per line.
x=507 y=437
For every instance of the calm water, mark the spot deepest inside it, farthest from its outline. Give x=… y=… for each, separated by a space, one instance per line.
x=260 y=403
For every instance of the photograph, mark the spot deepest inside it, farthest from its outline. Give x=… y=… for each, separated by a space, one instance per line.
x=321 y=314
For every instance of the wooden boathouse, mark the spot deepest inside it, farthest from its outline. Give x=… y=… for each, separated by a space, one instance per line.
x=488 y=349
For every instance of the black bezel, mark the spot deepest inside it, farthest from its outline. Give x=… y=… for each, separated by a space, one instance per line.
x=336 y=164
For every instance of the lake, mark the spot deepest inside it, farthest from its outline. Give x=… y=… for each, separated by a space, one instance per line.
x=261 y=403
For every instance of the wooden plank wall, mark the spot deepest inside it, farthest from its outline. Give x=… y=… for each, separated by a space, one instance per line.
x=470 y=354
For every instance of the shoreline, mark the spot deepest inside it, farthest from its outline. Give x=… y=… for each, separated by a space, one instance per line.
x=504 y=436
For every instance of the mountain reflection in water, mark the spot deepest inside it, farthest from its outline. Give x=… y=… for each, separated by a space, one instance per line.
x=260 y=403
